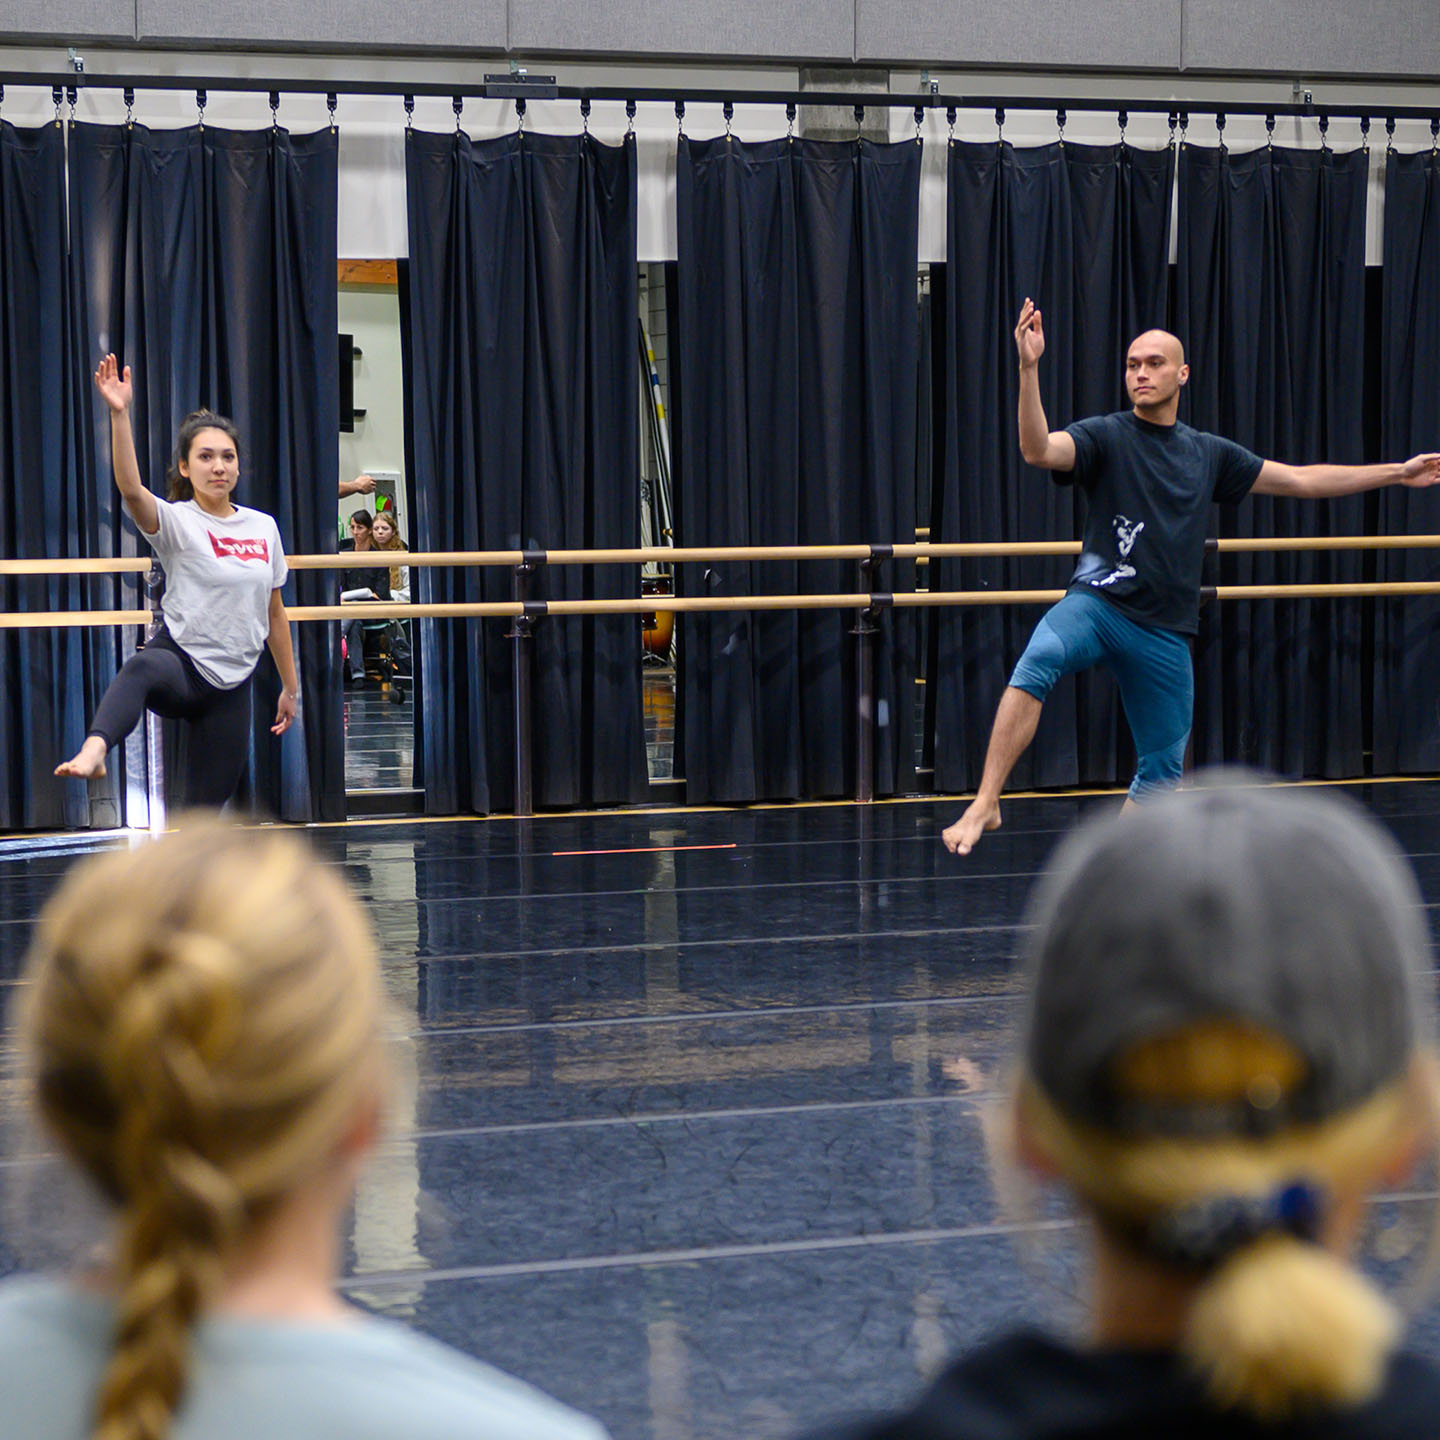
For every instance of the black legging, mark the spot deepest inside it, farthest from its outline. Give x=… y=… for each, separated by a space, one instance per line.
x=163 y=678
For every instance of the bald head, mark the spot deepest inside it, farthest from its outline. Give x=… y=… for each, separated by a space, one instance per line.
x=1159 y=342
x=1155 y=369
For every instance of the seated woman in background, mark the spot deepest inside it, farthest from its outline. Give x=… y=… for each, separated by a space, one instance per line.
x=203 y=1030
x=387 y=537
x=363 y=582
x=1226 y=1052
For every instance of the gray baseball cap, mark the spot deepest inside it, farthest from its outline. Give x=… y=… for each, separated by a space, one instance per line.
x=1287 y=908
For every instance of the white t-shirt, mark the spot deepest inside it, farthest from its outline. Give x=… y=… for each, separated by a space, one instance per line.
x=275 y=1380
x=218 y=577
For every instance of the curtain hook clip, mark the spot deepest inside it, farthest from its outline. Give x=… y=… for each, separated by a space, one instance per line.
x=1324 y=134
x=1220 y=130
x=1184 y=128
x=57 y=95
x=790 y=121
x=457 y=104
x=1060 y=123
x=200 y=102
x=409 y=112
x=1124 y=118
x=1365 y=133
x=859 y=122
x=274 y=109
x=1389 y=134
x=71 y=95
x=1269 y=132
x=680 y=118
x=999 y=124
x=585 y=113
x=1434 y=134
x=129 y=98
x=332 y=101
x=728 y=111
x=629 y=117
x=519 y=114
x=919 y=122
x=1173 y=120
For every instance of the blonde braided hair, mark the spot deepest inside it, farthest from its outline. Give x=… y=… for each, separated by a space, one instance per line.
x=202 y=1029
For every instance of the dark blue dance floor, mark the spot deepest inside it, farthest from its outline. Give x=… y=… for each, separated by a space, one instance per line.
x=690 y=1125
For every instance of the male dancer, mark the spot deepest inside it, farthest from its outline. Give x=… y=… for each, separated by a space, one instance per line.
x=1134 y=599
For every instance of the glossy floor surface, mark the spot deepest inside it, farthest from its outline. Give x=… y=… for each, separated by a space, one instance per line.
x=691 y=1136
x=379 y=736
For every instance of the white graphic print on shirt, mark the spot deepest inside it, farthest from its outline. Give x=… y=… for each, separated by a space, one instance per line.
x=1127 y=532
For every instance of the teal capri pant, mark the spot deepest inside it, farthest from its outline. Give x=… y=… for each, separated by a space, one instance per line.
x=1151 y=666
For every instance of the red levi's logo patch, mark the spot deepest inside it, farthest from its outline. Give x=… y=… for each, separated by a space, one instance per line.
x=227 y=549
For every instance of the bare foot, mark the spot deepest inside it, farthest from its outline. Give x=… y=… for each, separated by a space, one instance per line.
x=89 y=764
x=963 y=836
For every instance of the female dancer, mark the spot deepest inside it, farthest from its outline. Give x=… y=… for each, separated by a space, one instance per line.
x=224 y=566
x=1227 y=1051
x=211 y=1058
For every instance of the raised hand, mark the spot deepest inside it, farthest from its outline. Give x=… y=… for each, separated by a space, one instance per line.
x=1029 y=335
x=1420 y=471
x=114 y=385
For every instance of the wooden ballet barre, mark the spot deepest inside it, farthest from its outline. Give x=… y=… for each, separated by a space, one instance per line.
x=60 y=619
x=680 y=555
x=647 y=604
x=113 y=565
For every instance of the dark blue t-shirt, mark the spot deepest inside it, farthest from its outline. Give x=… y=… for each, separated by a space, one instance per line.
x=1150 y=488
x=1030 y=1387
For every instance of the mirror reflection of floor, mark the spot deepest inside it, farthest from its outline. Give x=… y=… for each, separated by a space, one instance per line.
x=380 y=736
x=660 y=721
x=379 y=739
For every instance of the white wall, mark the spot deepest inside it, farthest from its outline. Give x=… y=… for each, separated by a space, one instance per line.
x=372 y=315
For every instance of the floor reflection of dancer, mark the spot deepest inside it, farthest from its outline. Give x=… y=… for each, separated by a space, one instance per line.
x=1134 y=599
x=224 y=566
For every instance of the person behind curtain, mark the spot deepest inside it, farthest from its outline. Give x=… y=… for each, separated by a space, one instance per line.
x=358 y=584
x=1227 y=1049
x=211 y=1057
x=387 y=537
x=1133 y=601
x=224 y=569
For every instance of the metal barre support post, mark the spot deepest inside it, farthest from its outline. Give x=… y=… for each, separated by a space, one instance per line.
x=864 y=633
x=521 y=639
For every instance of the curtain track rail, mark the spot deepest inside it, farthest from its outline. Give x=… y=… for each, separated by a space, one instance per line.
x=505 y=87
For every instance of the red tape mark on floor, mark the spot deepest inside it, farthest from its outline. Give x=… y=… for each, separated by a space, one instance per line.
x=646 y=849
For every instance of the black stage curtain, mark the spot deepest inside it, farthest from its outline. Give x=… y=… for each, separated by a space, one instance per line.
x=523 y=297
x=795 y=405
x=1084 y=230
x=1407 y=639
x=46 y=509
x=1271 y=309
x=206 y=260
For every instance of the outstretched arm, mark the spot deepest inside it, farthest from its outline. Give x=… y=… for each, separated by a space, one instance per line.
x=1326 y=482
x=360 y=485
x=1041 y=447
x=115 y=389
x=284 y=654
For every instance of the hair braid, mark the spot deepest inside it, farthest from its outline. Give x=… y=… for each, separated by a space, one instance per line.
x=182 y=1213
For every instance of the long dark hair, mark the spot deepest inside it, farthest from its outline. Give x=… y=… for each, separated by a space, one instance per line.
x=178 y=486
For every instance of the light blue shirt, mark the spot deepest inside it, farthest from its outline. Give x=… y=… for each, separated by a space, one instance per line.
x=267 y=1380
